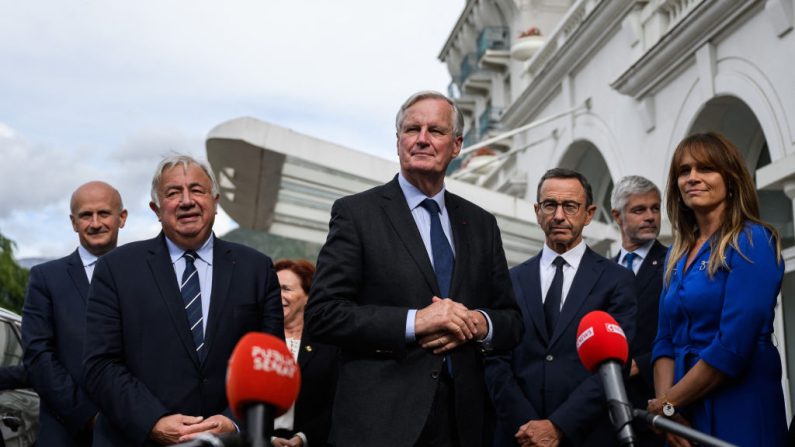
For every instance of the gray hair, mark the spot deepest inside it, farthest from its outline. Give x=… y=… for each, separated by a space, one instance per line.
x=175 y=160
x=458 y=117
x=629 y=186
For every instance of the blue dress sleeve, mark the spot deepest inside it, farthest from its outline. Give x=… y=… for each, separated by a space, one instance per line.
x=751 y=289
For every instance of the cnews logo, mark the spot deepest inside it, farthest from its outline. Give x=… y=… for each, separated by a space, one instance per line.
x=586 y=334
x=271 y=360
x=614 y=328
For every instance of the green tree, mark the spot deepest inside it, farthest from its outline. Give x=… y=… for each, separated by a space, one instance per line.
x=13 y=277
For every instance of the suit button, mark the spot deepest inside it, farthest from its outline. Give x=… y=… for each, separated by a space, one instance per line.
x=549 y=357
x=435 y=374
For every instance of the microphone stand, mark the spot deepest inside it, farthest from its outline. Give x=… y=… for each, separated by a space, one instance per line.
x=678 y=429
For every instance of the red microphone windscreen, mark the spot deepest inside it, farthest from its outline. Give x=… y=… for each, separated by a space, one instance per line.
x=261 y=371
x=600 y=338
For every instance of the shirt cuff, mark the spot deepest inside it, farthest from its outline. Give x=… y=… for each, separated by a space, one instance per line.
x=410 y=335
x=303 y=438
x=486 y=341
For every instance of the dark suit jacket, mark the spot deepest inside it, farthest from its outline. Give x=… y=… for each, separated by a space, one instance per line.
x=649 y=285
x=543 y=378
x=53 y=329
x=371 y=271
x=318 y=363
x=140 y=360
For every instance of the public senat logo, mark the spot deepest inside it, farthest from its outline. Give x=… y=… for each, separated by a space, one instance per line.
x=271 y=360
x=614 y=328
x=586 y=334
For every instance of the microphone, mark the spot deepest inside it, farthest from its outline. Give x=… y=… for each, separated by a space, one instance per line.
x=262 y=382
x=602 y=346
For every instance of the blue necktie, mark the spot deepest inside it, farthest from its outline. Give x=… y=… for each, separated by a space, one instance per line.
x=629 y=258
x=554 y=296
x=192 y=297
x=443 y=260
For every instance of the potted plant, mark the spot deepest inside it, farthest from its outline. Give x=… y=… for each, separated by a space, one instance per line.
x=528 y=43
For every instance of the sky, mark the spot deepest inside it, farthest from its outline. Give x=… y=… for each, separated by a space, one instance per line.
x=101 y=90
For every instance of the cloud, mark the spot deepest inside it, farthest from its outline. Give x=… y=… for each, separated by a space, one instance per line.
x=105 y=93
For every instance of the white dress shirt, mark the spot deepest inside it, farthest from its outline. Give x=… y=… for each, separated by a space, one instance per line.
x=547 y=269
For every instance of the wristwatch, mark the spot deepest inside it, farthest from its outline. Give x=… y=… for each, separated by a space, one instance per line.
x=668 y=408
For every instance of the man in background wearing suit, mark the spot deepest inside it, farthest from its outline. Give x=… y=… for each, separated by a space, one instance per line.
x=636 y=211
x=412 y=285
x=541 y=392
x=164 y=315
x=53 y=318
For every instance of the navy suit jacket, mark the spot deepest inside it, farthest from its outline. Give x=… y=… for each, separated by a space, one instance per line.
x=319 y=364
x=649 y=285
x=371 y=271
x=140 y=359
x=543 y=378
x=53 y=329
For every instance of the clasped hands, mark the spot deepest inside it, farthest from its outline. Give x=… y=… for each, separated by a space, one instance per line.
x=176 y=428
x=446 y=324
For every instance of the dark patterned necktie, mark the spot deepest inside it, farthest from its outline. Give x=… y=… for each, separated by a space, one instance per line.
x=443 y=260
x=554 y=296
x=192 y=298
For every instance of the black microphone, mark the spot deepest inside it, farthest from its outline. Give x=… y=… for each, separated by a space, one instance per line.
x=602 y=346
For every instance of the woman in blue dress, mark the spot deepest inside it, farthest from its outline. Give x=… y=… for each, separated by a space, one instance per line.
x=715 y=364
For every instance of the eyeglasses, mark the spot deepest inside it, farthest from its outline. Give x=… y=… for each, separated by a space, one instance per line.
x=570 y=207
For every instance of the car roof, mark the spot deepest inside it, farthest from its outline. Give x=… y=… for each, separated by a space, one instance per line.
x=6 y=314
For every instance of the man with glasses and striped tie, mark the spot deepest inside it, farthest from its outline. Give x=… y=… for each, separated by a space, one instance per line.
x=636 y=210
x=164 y=315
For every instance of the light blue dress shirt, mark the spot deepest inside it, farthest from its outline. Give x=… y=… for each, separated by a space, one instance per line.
x=423 y=220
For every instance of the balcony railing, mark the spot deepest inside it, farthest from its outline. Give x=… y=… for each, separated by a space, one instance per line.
x=493 y=38
x=488 y=119
x=468 y=66
x=470 y=137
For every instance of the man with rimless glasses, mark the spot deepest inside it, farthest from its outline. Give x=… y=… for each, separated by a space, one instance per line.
x=542 y=393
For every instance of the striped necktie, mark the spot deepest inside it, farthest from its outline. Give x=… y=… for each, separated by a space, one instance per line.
x=192 y=297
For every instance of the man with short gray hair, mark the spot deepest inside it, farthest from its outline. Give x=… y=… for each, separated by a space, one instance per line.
x=635 y=207
x=164 y=315
x=412 y=285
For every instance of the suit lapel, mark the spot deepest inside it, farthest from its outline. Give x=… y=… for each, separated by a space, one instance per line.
x=460 y=226
x=305 y=353
x=653 y=262
x=529 y=295
x=397 y=210
x=78 y=274
x=587 y=274
x=163 y=272
x=223 y=266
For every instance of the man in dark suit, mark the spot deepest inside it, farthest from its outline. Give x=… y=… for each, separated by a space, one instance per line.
x=53 y=318
x=541 y=392
x=164 y=315
x=636 y=210
x=412 y=285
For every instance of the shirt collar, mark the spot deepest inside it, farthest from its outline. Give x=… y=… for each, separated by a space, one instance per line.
x=572 y=257
x=86 y=257
x=414 y=196
x=641 y=251
x=205 y=252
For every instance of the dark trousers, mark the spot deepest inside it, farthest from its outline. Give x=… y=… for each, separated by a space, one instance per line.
x=440 y=429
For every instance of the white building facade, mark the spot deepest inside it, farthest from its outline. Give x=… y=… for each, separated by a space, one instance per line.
x=611 y=86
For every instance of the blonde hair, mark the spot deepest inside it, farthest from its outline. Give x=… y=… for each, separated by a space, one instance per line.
x=742 y=204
